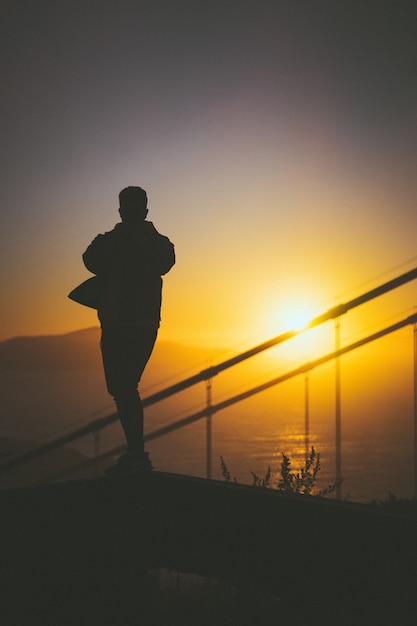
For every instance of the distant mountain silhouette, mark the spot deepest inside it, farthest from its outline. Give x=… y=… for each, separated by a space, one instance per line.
x=80 y=350
x=76 y=350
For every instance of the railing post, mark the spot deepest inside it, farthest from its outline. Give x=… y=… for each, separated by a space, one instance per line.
x=415 y=409
x=306 y=416
x=208 y=428
x=338 y=414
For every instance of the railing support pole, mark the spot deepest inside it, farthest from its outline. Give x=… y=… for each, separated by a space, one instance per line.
x=338 y=414
x=306 y=416
x=415 y=410
x=208 y=427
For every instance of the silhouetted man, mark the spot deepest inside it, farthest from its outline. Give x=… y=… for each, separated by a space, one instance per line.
x=129 y=261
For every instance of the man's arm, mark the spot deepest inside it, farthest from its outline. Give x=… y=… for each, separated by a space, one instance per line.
x=144 y=250
x=100 y=254
x=160 y=251
x=164 y=254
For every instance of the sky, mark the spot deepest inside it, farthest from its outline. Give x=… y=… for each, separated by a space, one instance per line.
x=276 y=141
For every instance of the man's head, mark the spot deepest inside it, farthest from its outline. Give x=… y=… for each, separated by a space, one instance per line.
x=133 y=203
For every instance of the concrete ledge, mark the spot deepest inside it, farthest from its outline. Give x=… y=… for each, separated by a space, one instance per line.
x=72 y=543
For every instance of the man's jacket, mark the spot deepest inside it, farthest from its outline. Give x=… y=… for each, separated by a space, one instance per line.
x=129 y=261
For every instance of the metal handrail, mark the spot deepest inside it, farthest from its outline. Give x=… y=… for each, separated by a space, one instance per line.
x=215 y=408
x=208 y=373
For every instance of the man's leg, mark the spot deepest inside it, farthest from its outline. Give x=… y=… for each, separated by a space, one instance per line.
x=130 y=411
x=125 y=354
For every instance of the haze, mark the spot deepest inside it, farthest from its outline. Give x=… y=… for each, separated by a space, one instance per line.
x=276 y=142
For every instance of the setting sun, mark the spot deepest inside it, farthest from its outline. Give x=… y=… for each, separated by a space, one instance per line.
x=292 y=313
x=297 y=317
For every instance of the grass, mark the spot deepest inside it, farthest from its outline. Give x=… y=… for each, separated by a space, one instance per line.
x=303 y=482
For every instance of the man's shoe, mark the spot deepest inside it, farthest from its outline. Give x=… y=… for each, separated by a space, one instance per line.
x=129 y=463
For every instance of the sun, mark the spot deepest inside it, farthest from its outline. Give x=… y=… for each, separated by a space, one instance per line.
x=294 y=315
x=291 y=314
x=297 y=316
x=292 y=311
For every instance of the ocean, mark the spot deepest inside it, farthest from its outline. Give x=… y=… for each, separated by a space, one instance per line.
x=377 y=451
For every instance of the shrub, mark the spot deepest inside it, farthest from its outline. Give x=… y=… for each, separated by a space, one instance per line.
x=290 y=482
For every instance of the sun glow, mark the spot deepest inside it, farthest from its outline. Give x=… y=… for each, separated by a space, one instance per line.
x=290 y=315
x=294 y=314
x=298 y=317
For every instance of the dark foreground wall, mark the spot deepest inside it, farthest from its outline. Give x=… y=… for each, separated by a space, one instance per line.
x=74 y=551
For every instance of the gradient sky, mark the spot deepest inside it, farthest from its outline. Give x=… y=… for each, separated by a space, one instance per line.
x=276 y=141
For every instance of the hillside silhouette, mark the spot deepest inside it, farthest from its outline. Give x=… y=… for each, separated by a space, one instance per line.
x=80 y=350
x=75 y=350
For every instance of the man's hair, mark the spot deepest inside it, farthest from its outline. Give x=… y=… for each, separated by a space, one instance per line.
x=133 y=194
